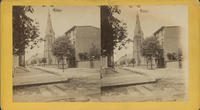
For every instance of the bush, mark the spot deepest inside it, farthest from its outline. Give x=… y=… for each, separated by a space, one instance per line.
x=132 y=61
x=172 y=56
x=84 y=56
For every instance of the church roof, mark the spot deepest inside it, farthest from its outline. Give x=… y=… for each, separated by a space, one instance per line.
x=138 y=29
x=49 y=27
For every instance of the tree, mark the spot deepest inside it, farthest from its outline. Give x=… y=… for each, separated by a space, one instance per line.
x=132 y=61
x=33 y=62
x=84 y=56
x=94 y=52
x=172 y=56
x=25 y=31
x=44 y=61
x=63 y=47
x=113 y=32
x=40 y=61
x=169 y=56
x=151 y=48
x=180 y=57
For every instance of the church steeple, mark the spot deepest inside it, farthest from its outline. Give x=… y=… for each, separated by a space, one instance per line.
x=138 y=30
x=48 y=41
x=137 y=42
x=49 y=27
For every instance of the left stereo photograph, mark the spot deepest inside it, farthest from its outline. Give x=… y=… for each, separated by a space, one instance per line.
x=56 y=53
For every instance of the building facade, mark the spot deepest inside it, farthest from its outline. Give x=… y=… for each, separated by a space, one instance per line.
x=169 y=39
x=48 y=42
x=137 y=42
x=86 y=41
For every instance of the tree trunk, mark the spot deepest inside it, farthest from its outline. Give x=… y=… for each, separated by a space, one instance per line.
x=147 y=64
x=58 y=64
x=22 y=57
x=110 y=60
x=22 y=60
x=63 y=63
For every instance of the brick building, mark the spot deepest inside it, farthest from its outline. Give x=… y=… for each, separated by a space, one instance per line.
x=84 y=38
x=169 y=39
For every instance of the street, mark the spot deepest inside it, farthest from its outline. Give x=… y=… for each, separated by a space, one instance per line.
x=170 y=86
x=74 y=89
x=167 y=87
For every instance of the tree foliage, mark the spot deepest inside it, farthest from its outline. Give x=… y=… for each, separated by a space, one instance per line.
x=172 y=56
x=63 y=47
x=44 y=60
x=113 y=31
x=84 y=56
x=151 y=47
x=33 y=62
x=25 y=29
x=94 y=52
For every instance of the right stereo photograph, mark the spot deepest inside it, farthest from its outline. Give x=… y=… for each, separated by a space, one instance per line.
x=144 y=53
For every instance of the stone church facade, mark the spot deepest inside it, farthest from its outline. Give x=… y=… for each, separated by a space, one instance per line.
x=137 y=42
x=48 y=42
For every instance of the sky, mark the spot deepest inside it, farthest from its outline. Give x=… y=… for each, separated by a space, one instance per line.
x=155 y=17
x=63 y=21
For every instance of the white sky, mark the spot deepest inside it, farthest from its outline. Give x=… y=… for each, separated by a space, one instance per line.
x=157 y=16
x=63 y=21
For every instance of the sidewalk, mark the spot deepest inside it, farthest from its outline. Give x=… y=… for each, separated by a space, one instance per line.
x=140 y=75
x=38 y=75
x=157 y=72
x=113 y=78
x=122 y=77
x=71 y=72
x=35 y=77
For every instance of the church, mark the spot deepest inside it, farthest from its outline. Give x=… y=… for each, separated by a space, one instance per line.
x=137 y=42
x=48 y=42
x=138 y=39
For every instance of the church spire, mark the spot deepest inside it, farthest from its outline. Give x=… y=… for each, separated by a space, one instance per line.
x=137 y=44
x=138 y=30
x=48 y=42
x=49 y=28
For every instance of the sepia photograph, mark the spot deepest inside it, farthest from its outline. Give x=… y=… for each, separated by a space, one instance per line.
x=144 y=53
x=132 y=53
x=56 y=53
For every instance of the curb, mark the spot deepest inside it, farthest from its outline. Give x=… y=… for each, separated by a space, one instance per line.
x=43 y=83
x=131 y=84
x=51 y=72
x=23 y=68
x=140 y=73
